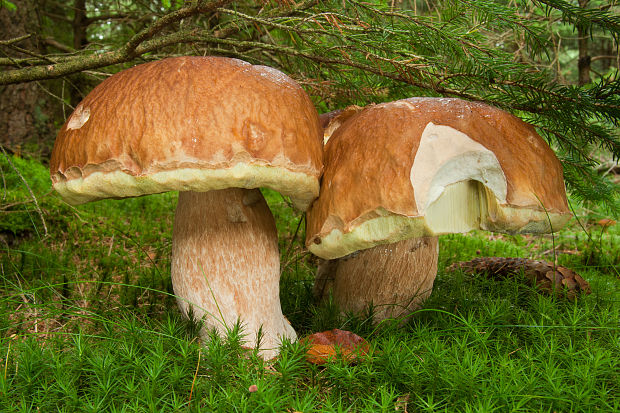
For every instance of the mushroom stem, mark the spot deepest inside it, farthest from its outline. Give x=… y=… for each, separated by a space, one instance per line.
x=226 y=264
x=394 y=278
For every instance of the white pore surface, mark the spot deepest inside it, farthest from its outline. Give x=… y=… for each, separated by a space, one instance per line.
x=446 y=156
x=302 y=188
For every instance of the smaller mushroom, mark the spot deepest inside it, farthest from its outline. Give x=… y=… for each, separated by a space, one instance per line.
x=331 y=121
x=398 y=174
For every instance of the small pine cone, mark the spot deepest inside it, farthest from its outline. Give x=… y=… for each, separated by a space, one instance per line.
x=558 y=279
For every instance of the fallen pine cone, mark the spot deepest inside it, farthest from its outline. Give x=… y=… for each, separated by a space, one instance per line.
x=328 y=344
x=546 y=276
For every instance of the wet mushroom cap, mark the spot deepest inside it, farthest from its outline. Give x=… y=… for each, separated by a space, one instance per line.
x=190 y=124
x=427 y=166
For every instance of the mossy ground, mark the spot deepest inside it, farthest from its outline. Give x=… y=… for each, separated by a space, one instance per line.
x=88 y=322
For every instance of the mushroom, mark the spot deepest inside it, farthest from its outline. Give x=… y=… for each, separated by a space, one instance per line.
x=331 y=121
x=398 y=174
x=215 y=129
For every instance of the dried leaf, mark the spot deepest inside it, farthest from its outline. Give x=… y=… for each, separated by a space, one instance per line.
x=606 y=222
x=329 y=344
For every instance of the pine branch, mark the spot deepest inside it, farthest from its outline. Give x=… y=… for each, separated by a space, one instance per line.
x=603 y=18
x=60 y=46
x=148 y=33
x=10 y=42
x=136 y=46
x=105 y=17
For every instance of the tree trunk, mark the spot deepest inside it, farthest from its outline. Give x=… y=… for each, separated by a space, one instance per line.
x=18 y=103
x=584 y=61
x=80 y=87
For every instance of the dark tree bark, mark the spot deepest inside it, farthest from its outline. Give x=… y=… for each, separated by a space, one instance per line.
x=80 y=25
x=18 y=102
x=585 y=59
x=29 y=112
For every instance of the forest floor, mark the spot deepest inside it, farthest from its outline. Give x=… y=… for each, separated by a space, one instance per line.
x=88 y=321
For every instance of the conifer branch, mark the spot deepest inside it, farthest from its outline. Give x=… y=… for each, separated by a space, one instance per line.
x=14 y=40
x=136 y=46
x=571 y=13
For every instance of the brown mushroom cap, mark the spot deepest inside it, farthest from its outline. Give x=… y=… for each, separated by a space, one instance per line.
x=190 y=124
x=426 y=166
x=331 y=121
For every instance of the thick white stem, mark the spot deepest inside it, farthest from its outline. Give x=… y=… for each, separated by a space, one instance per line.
x=395 y=278
x=226 y=264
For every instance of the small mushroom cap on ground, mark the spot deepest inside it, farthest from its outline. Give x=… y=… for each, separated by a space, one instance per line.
x=427 y=166
x=190 y=124
x=326 y=345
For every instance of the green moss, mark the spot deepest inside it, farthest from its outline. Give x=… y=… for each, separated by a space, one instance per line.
x=88 y=322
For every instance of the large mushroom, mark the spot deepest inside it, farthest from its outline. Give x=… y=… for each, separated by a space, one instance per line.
x=398 y=174
x=213 y=128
